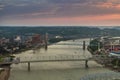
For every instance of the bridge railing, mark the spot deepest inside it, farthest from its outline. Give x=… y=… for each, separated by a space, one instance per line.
x=64 y=57
x=67 y=57
x=102 y=58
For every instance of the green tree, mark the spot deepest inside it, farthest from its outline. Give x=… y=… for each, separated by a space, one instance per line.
x=95 y=45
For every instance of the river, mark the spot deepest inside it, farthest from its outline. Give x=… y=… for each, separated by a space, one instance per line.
x=56 y=70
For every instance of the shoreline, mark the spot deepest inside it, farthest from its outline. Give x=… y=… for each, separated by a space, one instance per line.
x=5 y=73
x=109 y=65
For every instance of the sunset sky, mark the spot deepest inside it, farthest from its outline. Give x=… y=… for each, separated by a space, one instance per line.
x=60 y=12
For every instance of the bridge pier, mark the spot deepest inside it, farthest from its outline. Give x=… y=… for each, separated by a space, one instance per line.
x=86 y=63
x=46 y=39
x=84 y=46
x=28 y=66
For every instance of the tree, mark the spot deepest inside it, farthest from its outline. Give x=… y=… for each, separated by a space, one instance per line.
x=95 y=45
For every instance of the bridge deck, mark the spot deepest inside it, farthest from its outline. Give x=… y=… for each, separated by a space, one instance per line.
x=56 y=59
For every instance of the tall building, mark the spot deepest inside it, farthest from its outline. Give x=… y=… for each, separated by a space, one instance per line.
x=36 y=39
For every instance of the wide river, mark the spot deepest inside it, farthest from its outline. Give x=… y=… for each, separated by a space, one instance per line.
x=72 y=70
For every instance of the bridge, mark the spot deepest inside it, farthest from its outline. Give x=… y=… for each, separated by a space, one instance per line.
x=58 y=58
x=77 y=44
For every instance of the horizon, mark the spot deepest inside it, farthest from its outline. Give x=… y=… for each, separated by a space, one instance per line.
x=100 y=27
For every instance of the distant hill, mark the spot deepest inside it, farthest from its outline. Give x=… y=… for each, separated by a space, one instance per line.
x=117 y=28
x=65 y=31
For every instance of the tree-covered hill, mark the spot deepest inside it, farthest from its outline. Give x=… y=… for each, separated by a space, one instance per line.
x=66 y=31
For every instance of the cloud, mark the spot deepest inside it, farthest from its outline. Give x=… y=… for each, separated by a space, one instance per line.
x=18 y=2
x=108 y=4
x=2 y=6
x=57 y=8
x=67 y=1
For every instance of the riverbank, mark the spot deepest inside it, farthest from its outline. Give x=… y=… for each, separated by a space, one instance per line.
x=5 y=72
x=110 y=62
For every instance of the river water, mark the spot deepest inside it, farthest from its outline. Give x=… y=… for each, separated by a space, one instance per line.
x=56 y=70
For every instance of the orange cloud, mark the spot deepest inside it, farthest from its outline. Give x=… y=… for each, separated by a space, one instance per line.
x=111 y=19
x=82 y=20
x=109 y=4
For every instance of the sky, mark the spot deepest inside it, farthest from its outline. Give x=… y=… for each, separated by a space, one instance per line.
x=60 y=12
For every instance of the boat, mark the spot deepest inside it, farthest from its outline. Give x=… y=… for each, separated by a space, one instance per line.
x=114 y=54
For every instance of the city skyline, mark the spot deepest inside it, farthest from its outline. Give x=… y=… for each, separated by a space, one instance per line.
x=60 y=13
